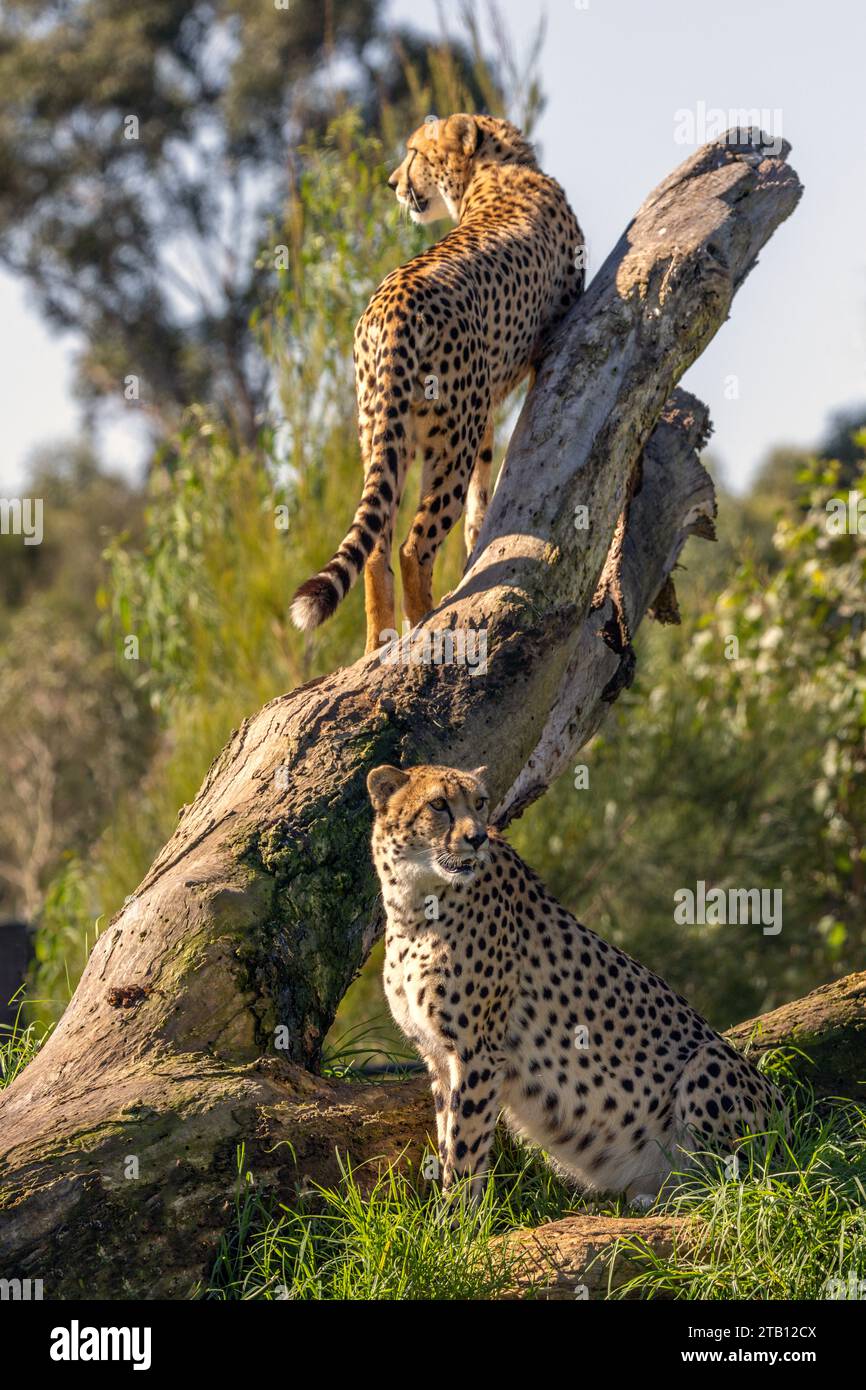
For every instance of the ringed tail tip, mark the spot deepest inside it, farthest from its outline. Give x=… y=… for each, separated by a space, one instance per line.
x=314 y=602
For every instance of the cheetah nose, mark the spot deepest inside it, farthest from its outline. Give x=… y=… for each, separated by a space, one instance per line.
x=476 y=841
x=394 y=179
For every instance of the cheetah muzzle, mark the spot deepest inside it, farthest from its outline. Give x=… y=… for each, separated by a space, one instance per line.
x=517 y=1007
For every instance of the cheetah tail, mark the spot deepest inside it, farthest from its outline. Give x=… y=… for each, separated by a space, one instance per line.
x=316 y=600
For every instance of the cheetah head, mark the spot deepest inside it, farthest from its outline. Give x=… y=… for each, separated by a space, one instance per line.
x=442 y=158
x=431 y=822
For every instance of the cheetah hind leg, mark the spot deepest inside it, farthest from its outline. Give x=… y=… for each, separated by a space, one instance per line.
x=720 y=1097
x=445 y=473
x=438 y=509
x=478 y=492
x=378 y=574
x=378 y=599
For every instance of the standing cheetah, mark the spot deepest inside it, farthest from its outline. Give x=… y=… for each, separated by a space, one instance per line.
x=516 y=1006
x=444 y=339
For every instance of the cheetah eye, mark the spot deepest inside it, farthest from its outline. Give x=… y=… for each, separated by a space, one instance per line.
x=481 y=803
x=440 y=804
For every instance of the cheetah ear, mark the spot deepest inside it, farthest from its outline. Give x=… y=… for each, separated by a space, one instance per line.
x=480 y=773
x=463 y=132
x=382 y=783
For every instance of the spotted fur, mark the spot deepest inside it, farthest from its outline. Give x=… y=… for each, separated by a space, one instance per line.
x=494 y=989
x=465 y=320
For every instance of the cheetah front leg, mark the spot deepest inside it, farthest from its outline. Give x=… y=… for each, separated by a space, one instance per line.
x=441 y=1089
x=473 y=1106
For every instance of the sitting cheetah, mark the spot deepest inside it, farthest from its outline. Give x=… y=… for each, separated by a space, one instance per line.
x=516 y=1006
x=444 y=339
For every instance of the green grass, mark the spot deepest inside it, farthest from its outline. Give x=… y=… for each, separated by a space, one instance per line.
x=19 y=1043
x=349 y=1049
x=400 y=1240
x=792 y=1218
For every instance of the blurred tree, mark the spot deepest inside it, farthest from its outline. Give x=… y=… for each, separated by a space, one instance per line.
x=776 y=491
x=141 y=148
x=75 y=731
x=840 y=441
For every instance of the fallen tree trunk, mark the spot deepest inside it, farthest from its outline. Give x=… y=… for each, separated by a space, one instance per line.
x=828 y=1028
x=586 y=1257
x=223 y=971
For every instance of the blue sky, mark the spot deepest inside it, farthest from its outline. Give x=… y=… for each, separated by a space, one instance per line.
x=618 y=76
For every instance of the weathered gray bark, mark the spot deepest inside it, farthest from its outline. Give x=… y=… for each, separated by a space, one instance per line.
x=259 y=911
